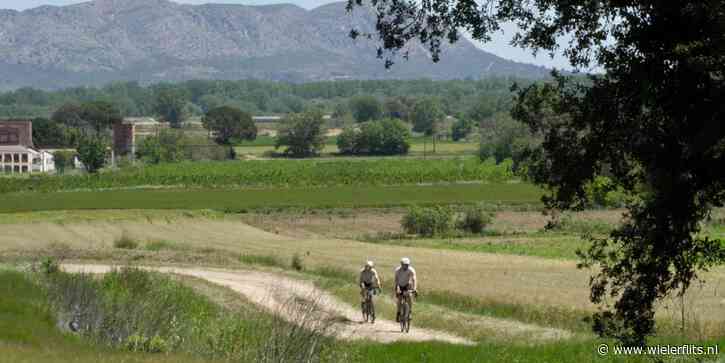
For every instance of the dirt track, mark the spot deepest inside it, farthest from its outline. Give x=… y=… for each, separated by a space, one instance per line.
x=273 y=291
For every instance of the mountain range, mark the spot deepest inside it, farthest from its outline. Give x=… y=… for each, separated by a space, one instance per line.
x=158 y=40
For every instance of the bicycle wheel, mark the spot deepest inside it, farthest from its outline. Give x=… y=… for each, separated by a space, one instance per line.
x=364 y=309
x=404 y=307
x=371 y=311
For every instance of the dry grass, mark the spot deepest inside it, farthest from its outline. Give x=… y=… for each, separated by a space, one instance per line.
x=503 y=278
x=355 y=224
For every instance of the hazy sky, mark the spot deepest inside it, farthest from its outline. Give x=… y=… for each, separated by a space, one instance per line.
x=499 y=46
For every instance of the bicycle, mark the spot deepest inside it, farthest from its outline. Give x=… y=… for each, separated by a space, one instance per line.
x=406 y=307
x=368 y=307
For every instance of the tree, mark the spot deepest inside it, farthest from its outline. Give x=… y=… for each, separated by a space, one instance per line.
x=483 y=109
x=96 y=116
x=49 y=134
x=63 y=160
x=652 y=120
x=426 y=117
x=461 y=128
x=365 y=108
x=302 y=134
x=395 y=107
x=100 y=115
x=170 y=104
x=228 y=123
x=383 y=137
x=168 y=146
x=92 y=153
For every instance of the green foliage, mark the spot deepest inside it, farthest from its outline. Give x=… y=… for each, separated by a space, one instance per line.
x=398 y=107
x=461 y=128
x=171 y=146
x=170 y=104
x=428 y=221
x=483 y=109
x=62 y=160
x=602 y=193
x=426 y=115
x=474 y=219
x=92 y=153
x=297 y=262
x=302 y=135
x=631 y=119
x=384 y=137
x=500 y=136
x=167 y=147
x=50 y=134
x=262 y=97
x=97 y=116
x=228 y=122
x=365 y=108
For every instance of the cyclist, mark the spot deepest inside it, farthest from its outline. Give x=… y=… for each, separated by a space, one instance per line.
x=405 y=280
x=368 y=279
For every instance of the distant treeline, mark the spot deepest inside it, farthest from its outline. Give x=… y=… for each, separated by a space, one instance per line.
x=260 y=97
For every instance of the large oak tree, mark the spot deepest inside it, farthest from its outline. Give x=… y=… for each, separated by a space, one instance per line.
x=653 y=121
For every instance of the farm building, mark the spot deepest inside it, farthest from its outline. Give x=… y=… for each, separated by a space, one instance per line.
x=128 y=133
x=17 y=155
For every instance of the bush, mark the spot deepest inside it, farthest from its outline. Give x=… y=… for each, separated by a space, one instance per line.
x=297 y=263
x=474 y=219
x=428 y=221
x=125 y=242
x=384 y=137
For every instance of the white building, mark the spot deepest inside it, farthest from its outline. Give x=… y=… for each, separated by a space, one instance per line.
x=17 y=159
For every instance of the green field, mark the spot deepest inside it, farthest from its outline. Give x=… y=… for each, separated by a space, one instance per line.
x=236 y=200
x=277 y=173
x=418 y=147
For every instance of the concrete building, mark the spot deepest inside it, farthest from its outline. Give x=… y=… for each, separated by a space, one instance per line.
x=128 y=133
x=17 y=155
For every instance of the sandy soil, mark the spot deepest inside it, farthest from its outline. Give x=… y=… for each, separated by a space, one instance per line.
x=273 y=292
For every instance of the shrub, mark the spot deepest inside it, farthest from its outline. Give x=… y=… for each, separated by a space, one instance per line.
x=125 y=242
x=297 y=262
x=474 y=219
x=428 y=221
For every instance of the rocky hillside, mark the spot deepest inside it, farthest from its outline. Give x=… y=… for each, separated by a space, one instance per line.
x=155 y=40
